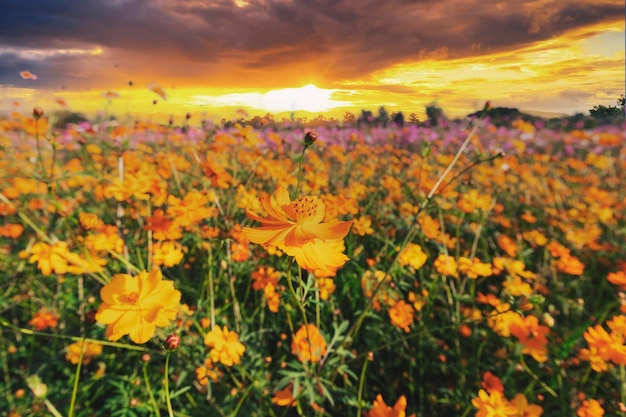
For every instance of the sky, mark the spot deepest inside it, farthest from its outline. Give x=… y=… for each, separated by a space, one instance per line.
x=322 y=56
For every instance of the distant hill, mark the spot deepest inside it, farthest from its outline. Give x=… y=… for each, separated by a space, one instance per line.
x=545 y=114
x=504 y=116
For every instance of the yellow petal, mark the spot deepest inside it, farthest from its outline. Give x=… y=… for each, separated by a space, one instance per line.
x=142 y=332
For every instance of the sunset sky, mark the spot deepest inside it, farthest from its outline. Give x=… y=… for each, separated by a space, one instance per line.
x=324 y=56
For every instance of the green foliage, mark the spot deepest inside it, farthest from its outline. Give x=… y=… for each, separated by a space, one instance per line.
x=602 y=112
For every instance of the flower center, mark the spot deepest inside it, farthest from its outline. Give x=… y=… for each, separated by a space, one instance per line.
x=304 y=207
x=132 y=297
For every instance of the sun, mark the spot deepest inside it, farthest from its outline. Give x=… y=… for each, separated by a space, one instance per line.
x=307 y=98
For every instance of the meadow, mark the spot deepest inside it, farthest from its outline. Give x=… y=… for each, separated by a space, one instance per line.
x=463 y=270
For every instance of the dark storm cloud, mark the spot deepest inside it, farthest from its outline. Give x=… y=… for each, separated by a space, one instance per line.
x=330 y=39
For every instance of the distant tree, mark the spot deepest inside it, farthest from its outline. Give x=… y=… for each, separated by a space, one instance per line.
x=435 y=115
x=366 y=118
x=269 y=117
x=602 y=112
x=383 y=116
x=605 y=112
x=397 y=119
x=349 y=117
x=413 y=119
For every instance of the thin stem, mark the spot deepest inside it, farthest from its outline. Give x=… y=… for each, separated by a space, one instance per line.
x=5 y=370
x=168 y=400
x=211 y=290
x=297 y=194
x=29 y=332
x=294 y=294
x=361 y=386
x=76 y=378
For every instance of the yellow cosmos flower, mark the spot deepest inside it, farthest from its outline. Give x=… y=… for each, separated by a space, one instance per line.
x=135 y=306
x=50 y=258
x=412 y=255
x=492 y=404
x=91 y=350
x=226 y=347
x=296 y=228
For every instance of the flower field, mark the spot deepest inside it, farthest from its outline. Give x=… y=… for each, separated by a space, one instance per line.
x=465 y=270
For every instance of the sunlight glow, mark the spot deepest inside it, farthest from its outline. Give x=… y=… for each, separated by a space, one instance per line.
x=307 y=98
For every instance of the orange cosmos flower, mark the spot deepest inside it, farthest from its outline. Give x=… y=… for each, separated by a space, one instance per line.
x=162 y=227
x=135 y=306
x=308 y=344
x=381 y=409
x=11 y=230
x=401 y=315
x=490 y=299
x=605 y=347
x=502 y=319
x=296 y=228
x=523 y=408
x=473 y=200
x=27 y=75
x=263 y=276
x=90 y=221
x=363 y=226
x=617 y=278
x=590 y=408
x=272 y=297
x=207 y=372
x=226 y=347
x=240 y=252
x=284 y=397
x=570 y=265
x=508 y=245
x=157 y=89
x=44 y=319
x=326 y=287
x=492 y=404
x=532 y=336
x=491 y=383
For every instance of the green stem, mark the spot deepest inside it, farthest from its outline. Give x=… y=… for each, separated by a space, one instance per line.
x=294 y=294
x=4 y=323
x=150 y=394
x=5 y=370
x=536 y=378
x=300 y=172
x=361 y=386
x=168 y=400
x=76 y=378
